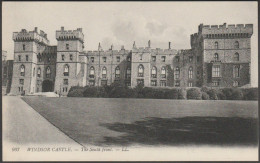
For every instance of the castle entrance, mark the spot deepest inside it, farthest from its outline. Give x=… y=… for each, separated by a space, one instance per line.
x=47 y=86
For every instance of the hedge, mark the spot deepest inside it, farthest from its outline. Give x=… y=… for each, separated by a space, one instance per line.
x=120 y=91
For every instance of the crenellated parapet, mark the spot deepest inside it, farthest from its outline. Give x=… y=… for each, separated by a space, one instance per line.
x=232 y=30
x=24 y=35
x=70 y=34
x=108 y=52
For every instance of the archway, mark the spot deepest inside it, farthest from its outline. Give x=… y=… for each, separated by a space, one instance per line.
x=47 y=86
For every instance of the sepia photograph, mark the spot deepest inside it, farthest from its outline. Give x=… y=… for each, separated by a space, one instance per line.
x=130 y=81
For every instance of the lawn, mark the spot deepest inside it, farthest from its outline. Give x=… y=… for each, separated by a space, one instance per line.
x=103 y=121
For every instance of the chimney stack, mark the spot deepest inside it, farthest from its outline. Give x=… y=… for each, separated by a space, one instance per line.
x=122 y=47
x=149 y=44
x=36 y=29
x=99 y=47
x=134 y=46
x=169 y=45
x=112 y=47
x=62 y=29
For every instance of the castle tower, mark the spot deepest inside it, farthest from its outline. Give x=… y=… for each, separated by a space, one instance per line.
x=26 y=45
x=69 y=68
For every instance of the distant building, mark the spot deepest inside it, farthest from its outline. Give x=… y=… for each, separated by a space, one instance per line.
x=7 y=71
x=219 y=57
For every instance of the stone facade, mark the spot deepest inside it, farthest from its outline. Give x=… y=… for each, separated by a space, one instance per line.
x=219 y=56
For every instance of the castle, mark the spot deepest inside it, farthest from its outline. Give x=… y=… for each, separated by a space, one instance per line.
x=220 y=56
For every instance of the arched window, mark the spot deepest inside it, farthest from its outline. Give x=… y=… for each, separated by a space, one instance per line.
x=48 y=72
x=104 y=72
x=236 y=57
x=216 y=45
x=163 y=72
x=140 y=71
x=92 y=72
x=22 y=70
x=216 y=57
x=237 y=71
x=177 y=73
x=39 y=72
x=128 y=73
x=190 y=73
x=236 y=44
x=66 y=70
x=117 y=74
x=154 y=72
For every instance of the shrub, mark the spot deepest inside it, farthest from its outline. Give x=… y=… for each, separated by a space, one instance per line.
x=182 y=93
x=205 y=96
x=237 y=94
x=221 y=95
x=228 y=93
x=76 y=91
x=213 y=94
x=204 y=89
x=159 y=94
x=171 y=94
x=250 y=93
x=90 y=92
x=194 y=93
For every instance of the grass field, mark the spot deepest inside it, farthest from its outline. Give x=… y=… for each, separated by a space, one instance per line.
x=101 y=121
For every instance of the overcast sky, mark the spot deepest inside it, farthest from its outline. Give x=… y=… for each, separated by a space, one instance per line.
x=121 y=23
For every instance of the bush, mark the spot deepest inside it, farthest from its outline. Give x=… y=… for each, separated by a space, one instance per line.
x=182 y=93
x=213 y=94
x=250 y=93
x=204 y=89
x=171 y=94
x=237 y=94
x=194 y=93
x=76 y=91
x=205 y=96
x=90 y=92
x=221 y=95
x=228 y=93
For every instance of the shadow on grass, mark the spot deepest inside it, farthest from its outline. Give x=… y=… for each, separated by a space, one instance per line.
x=186 y=130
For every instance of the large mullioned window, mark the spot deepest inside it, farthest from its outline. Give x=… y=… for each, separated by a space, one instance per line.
x=104 y=72
x=140 y=71
x=117 y=73
x=216 y=71
x=92 y=72
x=237 y=71
x=190 y=73
x=48 y=72
x=128 y=73
x=22 y=70
x=39 y=72
x=163 y=72
x=177 y=73
x=154 y=72
x=66 y=70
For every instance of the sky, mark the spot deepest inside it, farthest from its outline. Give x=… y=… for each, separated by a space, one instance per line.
x=122 y=23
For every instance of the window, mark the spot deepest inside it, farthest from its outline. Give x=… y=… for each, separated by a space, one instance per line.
x=117 y=73
x=140 y=71
x=190 y=58
x=65 y=89
x=19 y=57
x=23 y=46
x=236 y=45
x=216 y=57
x=163 y=72
x=215 y=83
x=34 y=72
x=21 y=81
x=190 y=73
x=104 y=59
x=66 y=70
x=154 y=72
x=216 y=45
x=128 y=73
x=71 y=57
x=216 y=71
x=48 y=72
x=103 y=82
x=27 y=57
x=92 y=82
x=198 y=58
x=140 y=81
x=128 y=84
x=63 y=57
x=49 y=59
x=65 y=82
x=237 y=71
x=235 y=84
x=129 y=59
x=92 y=59
x=153 y=58
x=39 y=58
x=163 y=58
x=177 y=83
x=20 y=89
x=141 y=56
x=177 y=58
x=67 y=46
x=163 y=83
x=39 y=72
x=22 y=70
x=104 y=72
x=153 y=82
x=177 y=73
x=118 y=59
x=92 y=72
x=190 y=84
x=236 y=57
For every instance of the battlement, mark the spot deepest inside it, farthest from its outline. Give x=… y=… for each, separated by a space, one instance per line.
x=108 y=52
x=25 y=35
x=227 y=29
x=70 y=34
